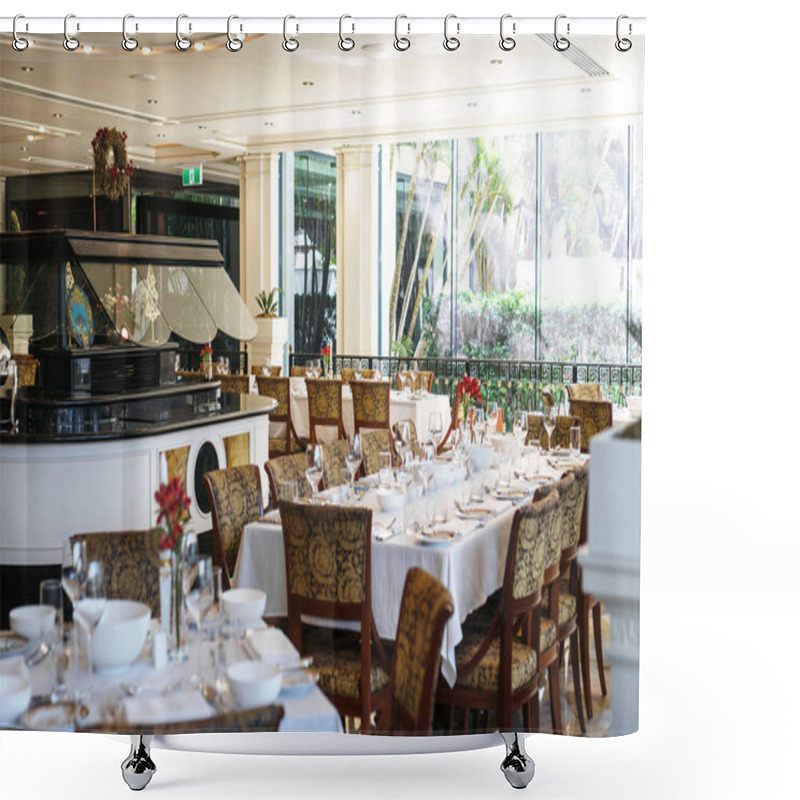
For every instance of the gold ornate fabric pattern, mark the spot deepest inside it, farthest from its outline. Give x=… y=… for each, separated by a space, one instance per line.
x=284 y=469
x=349 y=375
x=324 y=404
x=334 y=460
x=584 y=391
x=281 y=440
x=177 y=461
x=486 y=675
x=298 y=372
x=425 y=599
x=237 y=449
x=535 y=532
x=26 y=370
x=130 y=562
x=536 y=430
x=234 y=384
x=593 y=416
x=370 y=404
x=373 y=444
x=278 y=389
x=552 y=524
x=327 y=551
x=422 y=380
x=237 y=499
x=412 y=431
x=275 y=372
x=340 y=671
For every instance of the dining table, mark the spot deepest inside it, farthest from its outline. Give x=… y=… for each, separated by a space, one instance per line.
x=466 y=550
x=143 y=695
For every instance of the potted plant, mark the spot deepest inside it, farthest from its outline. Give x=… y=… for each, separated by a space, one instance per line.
x=273 y=330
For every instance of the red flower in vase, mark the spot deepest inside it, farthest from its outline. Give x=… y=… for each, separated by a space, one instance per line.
x=173 y=512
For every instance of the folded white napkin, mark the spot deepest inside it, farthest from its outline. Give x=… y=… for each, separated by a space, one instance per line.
x=274 y=646
x=180 y=706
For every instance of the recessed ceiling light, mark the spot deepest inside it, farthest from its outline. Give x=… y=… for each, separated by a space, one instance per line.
x=356 y=112
x=308 y=83
x=161 y=136
x=58 y=115
x=586 y=90
x=151 y=101
x=31 y=137
x=27 y=69
x=472 y=105
x=24 y=149
x=199 y=46
x=496 y=61
x=87 y=48
x=269 y=124
x=42 y=129
x=146 y=51
x=201 y=127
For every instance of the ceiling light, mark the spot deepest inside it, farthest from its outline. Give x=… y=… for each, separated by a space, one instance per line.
x=151 y=101
x=308 y=83
x=31 y=137
x=472 y=105
x=199 y=46
x=146 y=51
x=161 y=136
x=496 y=61
x=356 y=112
x=27 y=69
x=269 y=124
x=201 y=127
x=57 y=115
x=42 y=129
x=87 y=48
x=24 y=149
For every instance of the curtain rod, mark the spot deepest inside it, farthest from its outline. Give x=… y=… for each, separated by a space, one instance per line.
x=349 y=25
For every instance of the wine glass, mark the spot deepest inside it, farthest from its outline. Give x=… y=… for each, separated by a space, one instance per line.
x=314 y=468
x=198 y=591
x=402 y=433
x=494 y=413
x=310 y=368
x=550 y=425
x=91 y=605
x=266 y=369
x=435 y=426
x=428 y=451
x=73 y=567
x=354 y=458
x=317 y=368
x=413 y=370
x=357 y=371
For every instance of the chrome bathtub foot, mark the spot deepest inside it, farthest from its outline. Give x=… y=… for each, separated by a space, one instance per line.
x=517 y=766
x=138 y=768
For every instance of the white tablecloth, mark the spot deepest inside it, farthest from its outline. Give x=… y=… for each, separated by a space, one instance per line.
x=401 y=407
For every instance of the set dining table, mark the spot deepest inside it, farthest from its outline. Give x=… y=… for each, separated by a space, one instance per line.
x=468 y=556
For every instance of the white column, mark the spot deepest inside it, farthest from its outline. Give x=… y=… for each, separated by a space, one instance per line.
x=388 y=239
x=611 y=564
x=259 y=200
x=357 y=235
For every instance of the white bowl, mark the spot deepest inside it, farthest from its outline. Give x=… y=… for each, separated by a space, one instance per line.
x=389 y=500
x=32 y=622
x=120 y=635
x=481 y=456
x=15 y=697
x=244 y=606
x=254 y=683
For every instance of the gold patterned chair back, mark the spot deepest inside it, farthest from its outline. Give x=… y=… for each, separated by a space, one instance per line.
x=283 y=438
x=373 y=443
x=529 y=550
x=283 y=470
x=235 y=384
x=423 y=380
x=594 y=416
x=424 y=611
x=256 y=369
x=235 y=495
x=560 y=436
x=324 y=406
x=370 y=404
x=334 y=460
x=584 y=391
x=130 y=562
x=349 y=375
x=27 y=367
x=297 y=372
x=569 y=493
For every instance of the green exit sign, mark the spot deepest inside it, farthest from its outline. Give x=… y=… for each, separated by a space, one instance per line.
x=193 y=176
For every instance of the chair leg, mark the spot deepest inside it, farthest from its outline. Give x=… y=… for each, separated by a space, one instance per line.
x=598 y=646
x=576 y=682
x=583 y=646
x=555 y=696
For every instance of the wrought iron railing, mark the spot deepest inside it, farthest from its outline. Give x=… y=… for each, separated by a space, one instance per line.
x=511 y=383
x=237 y=359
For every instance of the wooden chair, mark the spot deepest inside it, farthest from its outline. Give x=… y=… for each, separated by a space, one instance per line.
x=334 y=460
x=560 y=437
x=130 y=564
x=422 y=380
x=424 y=611
x=593 y=416
x=286 y=440
x=235 y=494
x=328 y=575
x=547 y=398
x=297 y=372
x=284 y=469
x=255 y=369
x=234 y=384
x=349 y=375
x=584 y=391
x=370 y=404
x=27 y=367
x=324 y=406
x=454 y=420
x=373 y=443
x=496 y=668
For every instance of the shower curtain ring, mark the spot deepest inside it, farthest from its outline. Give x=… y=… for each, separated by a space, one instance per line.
x=18 y=43
x=451 y=43
x=233 y=44
x=70 y=42
x=128 y=42
x=401 y=43
x=561 y=43
x=289 y=44
x=181 y=42
x=623 y=45
x=507 y=43
x=345 y=42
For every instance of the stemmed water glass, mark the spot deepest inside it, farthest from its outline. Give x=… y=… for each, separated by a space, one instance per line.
x=266 y=369
x=426 y=465
x=550 y=425
x=403 y=441
x=314 y=468
x=198 y=586
x=520 y=426
x=310 y=368
x=494 y=413
x=73 y=567
x=354 y=458
x=91 y=605
x=435 y=427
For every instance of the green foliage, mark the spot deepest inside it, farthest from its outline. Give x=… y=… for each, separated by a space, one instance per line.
x=402 y=348
x=268 y=303
x=494 y=324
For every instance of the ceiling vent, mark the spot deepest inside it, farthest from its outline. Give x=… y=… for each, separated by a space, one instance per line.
x=577 y=56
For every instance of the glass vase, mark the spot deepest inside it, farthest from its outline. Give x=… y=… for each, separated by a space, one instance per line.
x=171 y=605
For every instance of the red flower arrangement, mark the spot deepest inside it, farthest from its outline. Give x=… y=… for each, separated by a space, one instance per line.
x=326 y=354
x=470 y=391
x=173 y=512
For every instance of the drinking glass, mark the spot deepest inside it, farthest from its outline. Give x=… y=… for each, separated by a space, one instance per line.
x=50 y=595
x=354 y=457
x=310 y=368
x=494 y=412
x=198 y=587
x=403 y=440
x=288 y=491
x=189 y=548
x=520 y=426
x=575 y=441
x=266 y=369
x=317 y=368
x=213 y=621
x=435 y=426
x=550 y=425
x=91 y=605
x=357 y=372
x=314 y=468
x=177 y=363
x=73 y=567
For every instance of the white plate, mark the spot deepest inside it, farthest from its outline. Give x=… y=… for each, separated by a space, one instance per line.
x=435 y=538
x=511 y=494
x=471 y=512
x=50 y=717
x=298 y=681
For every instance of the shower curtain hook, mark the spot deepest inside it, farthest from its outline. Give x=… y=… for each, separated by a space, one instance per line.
x=233 y=44
x=561 y=43
x=346 y=42
x=181 y=42
x=70 y=42
x=623 y=45
x=289 y=44
x=128 y=42
x=18 y=43
x=401 y=43
x=507 y=43
x=451 y=43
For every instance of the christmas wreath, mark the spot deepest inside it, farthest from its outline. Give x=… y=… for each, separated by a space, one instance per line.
x=111 y=166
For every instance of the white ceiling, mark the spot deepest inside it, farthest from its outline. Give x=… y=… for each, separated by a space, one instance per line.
x=214 y=106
